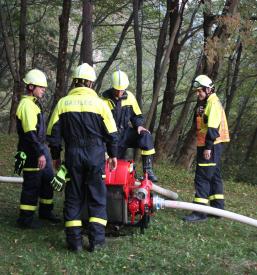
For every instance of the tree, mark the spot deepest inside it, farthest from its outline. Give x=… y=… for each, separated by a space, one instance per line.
x=86 y=51
x=62 y=52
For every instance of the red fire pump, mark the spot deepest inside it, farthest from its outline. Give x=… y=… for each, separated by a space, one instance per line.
x=129 y=199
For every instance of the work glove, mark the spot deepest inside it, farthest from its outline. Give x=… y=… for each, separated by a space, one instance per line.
x=20 y=159
x=60 y=179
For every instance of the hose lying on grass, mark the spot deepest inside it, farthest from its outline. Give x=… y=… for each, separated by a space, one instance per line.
x=11 y=179
x=164 y=192
x=160 y=203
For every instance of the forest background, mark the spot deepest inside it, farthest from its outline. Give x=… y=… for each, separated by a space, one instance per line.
x=162 y=45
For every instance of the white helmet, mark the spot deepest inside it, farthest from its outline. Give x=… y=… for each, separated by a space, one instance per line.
x=84 y=71
x=202 y=81
x=120 y=80
x=35 y=77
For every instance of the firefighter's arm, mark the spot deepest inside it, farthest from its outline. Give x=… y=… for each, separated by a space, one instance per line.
x=54 y=136
x=111 y=133
x=214 y=119
x=28 y=115
x=137 y=118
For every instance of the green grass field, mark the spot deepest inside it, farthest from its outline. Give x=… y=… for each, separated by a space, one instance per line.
x=169 y=245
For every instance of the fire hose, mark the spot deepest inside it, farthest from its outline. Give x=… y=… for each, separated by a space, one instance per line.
x=164 y=192
x=11 y=179
x=160 y=203
x=157 y=189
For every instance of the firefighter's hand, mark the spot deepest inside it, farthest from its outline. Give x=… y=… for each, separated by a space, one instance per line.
x=207 y=154
x=57 y=163
x=112 y=163
x=41 y=162
x=141 y=128
x=20 y=159
x=59 y=179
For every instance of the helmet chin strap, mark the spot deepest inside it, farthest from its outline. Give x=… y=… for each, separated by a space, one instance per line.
x=207 y=93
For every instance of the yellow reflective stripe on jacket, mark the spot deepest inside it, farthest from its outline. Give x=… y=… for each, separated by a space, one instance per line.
x=83 y=99
x=131 y=101
x=98 y=220
x=216 y=197
x=30 y=169
x=46 y=201
x=201 y=200
x=73 y=223
x=27 y=112
x=28 y=207
x=147 y=152
x=206 y=164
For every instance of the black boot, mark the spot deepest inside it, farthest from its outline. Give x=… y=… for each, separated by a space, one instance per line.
x=26 y=220
x=45 y=213
x=74 y=239
x=148 y=167
x=195 y=217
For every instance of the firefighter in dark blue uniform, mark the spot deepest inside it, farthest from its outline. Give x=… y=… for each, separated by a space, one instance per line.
x=129 y=120
x=87 y=127
x=212 y=131
x=36 y=163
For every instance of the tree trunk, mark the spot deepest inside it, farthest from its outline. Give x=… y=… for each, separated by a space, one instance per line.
x=233 y=86
x=169 y=92
x=252 y=146
x=159 y=55
x=86 y=52
x=138 y=43
x=17 y=70
x=62 y=52
x=188 y=150
x=163 y=65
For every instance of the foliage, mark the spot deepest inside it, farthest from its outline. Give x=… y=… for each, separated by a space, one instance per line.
x=169 y=246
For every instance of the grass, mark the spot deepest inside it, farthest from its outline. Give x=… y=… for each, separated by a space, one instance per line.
x=169 y=246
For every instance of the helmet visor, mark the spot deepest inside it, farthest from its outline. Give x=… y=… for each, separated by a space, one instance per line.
x=196 y=85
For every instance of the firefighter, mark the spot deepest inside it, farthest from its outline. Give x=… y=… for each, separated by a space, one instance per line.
x=212 y=132
x=129 y=121
x=86 y=124
x=33 y=157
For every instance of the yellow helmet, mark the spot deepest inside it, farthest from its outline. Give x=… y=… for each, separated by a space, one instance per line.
x=120 y=80
x=202 y=81
x=84 y=71
x=35 y=77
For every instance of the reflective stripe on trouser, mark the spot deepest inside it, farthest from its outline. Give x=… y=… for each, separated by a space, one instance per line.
x=129 y=138
x=208 y=182
x=37 y=184
x=85 y=166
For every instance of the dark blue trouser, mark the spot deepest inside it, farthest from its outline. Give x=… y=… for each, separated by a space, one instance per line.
x=85 y=167
x=129 y=138
x=36 y=186
x=208 y=182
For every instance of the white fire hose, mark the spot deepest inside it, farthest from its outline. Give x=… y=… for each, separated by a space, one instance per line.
x=164 y=192
x=157 y=189
x=11 y=179
x=160 y=203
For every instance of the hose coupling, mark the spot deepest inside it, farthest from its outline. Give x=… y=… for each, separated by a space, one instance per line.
x=158 y=202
